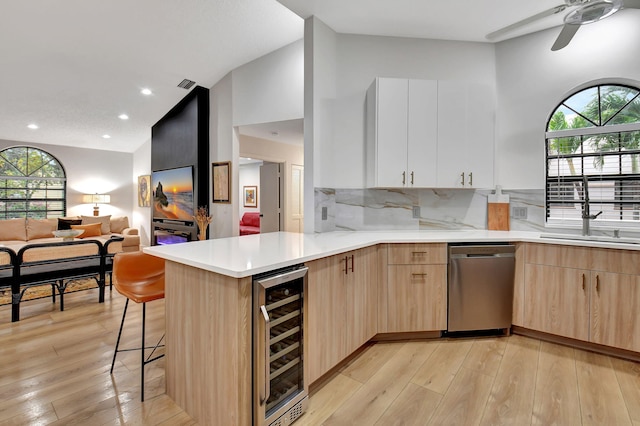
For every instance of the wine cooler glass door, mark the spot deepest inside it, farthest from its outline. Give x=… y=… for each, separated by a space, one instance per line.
x=278 y=356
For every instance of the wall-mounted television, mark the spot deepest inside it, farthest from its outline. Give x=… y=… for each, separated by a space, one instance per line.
x=173 y=194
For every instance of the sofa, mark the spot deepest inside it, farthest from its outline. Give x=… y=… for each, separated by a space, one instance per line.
x=17 y=233
x=30 y=254
x=250 y=223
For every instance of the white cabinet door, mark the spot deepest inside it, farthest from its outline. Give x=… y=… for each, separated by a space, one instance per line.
x=389 y=144
x=465 y=135
x=422 y=133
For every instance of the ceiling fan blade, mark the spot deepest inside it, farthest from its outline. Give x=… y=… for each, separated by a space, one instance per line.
x=631 y=4
x=544 y=14
x=567 y=33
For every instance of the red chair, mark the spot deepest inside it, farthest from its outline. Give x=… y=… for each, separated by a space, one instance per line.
x=138 y=277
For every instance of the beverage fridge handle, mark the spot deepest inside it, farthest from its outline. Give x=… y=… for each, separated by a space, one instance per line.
x=267 y=338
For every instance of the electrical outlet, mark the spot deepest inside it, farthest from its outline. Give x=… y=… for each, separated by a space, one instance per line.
x=416 y=212
x=324 y=213
x=519 y=212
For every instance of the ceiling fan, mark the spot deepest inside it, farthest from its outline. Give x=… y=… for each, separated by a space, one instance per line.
x=585 y=12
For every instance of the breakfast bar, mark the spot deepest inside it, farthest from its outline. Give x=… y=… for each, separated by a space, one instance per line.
x=209 y=292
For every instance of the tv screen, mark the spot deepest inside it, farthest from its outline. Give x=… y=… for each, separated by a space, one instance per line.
x=173 y=194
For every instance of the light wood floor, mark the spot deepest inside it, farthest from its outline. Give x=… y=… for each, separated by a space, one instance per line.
x=54 y=369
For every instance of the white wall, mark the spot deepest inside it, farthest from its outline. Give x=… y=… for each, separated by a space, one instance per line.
x=223 y=147
x=532 y=80
x=142 y=215
x=319 y=94
x=270 y=88
x=267 y=89
x=340 y=162
x=89 y=171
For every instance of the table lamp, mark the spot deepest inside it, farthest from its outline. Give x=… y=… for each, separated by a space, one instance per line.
x=96 y=199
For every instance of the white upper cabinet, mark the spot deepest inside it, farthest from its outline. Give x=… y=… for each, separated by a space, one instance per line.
x=466 y=114
x=401 y=133
x=427 y=134
x=422 y=133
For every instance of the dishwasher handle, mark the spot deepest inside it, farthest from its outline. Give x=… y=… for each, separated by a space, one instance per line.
x=481 y=255
x=481 y=251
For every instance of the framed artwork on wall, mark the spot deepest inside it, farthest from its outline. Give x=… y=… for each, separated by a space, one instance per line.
x=144 y=191
x=250 y=196
x=222 y=182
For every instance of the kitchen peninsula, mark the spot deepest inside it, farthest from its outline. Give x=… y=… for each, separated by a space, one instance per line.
x=209 y=290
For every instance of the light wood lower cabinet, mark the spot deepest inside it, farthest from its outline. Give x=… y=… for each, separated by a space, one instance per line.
x=557 y=300
x=416 y=296
x=341 y=308
x=588 y=294
x=362 y=298
x=615 y=304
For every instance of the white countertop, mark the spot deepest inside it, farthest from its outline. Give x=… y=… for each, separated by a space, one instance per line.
x=253 y=254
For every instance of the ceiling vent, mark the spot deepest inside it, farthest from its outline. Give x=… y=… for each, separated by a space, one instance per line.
x=186 y=84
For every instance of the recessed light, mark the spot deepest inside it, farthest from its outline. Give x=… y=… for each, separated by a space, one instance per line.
x=32 y=126
x=146 y=91
x=123 y=117
x=106 y=136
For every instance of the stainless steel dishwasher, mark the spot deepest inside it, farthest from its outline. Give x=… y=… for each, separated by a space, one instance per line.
x=480 y=287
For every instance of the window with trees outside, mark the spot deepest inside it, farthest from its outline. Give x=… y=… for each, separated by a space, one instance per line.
x=595 y=133
x=32 y=184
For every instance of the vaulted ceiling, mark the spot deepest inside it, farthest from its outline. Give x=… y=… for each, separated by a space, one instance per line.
x=73 y=67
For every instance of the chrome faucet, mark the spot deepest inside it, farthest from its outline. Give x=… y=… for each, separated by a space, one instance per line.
x=586 y=215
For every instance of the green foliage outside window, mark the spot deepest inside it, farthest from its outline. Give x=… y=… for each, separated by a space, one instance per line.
x=595 y=133
x=32 y=184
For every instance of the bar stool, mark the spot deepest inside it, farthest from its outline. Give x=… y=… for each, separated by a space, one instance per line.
x=138 y=277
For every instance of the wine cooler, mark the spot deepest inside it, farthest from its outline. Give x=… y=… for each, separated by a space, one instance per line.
x=279 y=389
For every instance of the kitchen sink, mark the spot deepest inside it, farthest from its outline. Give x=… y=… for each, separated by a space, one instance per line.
x=601 y=238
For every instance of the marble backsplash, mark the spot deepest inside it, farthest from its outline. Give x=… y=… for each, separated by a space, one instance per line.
x=440 y=209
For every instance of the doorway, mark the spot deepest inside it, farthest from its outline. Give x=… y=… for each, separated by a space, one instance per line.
x=272 y=160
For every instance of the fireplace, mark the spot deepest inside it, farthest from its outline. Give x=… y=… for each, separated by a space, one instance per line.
x=171 y=232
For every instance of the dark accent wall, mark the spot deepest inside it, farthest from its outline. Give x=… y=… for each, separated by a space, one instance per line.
x=181 y=138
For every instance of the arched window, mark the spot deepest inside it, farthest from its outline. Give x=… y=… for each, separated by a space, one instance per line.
x=32 y=184
x=595 y=133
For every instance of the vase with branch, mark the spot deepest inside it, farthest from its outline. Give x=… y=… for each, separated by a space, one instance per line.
x=203 y=220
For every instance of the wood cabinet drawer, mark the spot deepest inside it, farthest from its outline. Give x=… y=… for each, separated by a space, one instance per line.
x=417 y=254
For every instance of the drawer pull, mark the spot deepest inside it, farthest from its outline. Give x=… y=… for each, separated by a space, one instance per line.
x=418 y=253
x=418 y=275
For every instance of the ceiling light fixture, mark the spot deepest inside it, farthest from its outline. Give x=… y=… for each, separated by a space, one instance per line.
x=32 y=126
x=146 y=91
x=106 y=136
x=123 y=117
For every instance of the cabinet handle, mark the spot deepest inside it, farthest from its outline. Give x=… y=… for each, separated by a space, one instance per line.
x=266 y=389
x=584 y=282
x=352 y=262
x=404 y=176
x=462 y=176
x=598 y=283
x=411 y=178
x=471 y=179
x=346 y=265
x=418 y=275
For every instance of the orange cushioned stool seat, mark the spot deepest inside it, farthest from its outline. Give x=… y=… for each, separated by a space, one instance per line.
x=138 y=277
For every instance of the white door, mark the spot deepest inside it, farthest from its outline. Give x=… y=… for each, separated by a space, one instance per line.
x=270 y=196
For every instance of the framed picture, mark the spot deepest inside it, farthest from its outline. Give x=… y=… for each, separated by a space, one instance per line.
x=250 y=196
x=144 y=191
x=222 y=182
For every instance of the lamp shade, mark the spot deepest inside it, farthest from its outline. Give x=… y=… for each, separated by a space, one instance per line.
x=96 y=198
